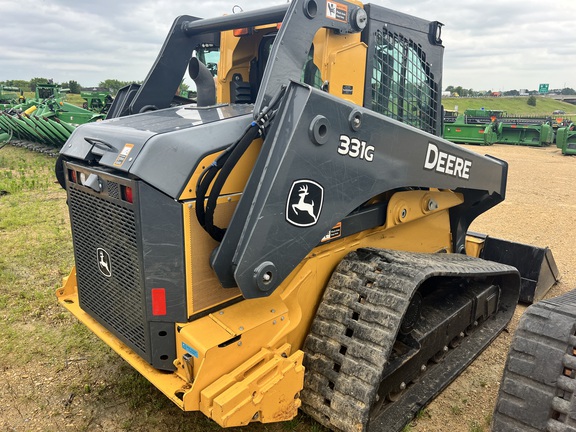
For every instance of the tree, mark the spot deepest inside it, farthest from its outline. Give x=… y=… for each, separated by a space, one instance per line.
x=531 y=100
x=21 y=84
x=461 y=91
x=114 y=85
x=568 y=91
x=183 y=87
x=73 y=86
x=511 y=93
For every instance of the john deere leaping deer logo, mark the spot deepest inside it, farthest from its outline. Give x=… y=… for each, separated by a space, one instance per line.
x=304 y=203
x=104 y=262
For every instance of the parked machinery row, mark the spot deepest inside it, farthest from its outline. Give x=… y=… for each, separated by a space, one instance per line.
x=486 y=127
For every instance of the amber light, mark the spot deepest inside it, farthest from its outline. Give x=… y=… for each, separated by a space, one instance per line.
x=72 y=176
x=127 y=194
x=243 y=31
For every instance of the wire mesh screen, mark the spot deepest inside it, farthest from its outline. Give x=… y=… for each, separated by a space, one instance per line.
x=403 y=86
x=116 y=301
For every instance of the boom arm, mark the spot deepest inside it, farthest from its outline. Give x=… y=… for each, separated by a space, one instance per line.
x=324 y=157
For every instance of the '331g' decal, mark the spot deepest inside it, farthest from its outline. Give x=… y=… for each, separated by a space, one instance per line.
x=355 y=148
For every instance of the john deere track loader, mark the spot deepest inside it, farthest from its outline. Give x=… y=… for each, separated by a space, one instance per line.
x=297 y=237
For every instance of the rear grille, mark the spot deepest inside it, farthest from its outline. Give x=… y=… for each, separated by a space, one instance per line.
x=116 y=301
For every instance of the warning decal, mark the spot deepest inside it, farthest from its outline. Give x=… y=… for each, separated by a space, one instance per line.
x=337 y=11
x=334 y=233
x=123 y=155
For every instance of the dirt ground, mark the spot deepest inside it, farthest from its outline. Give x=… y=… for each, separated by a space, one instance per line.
x=71 y=392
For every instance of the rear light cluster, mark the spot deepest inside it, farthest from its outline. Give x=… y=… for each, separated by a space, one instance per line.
x=80 y=178
x=72 y=176
x=127 y=194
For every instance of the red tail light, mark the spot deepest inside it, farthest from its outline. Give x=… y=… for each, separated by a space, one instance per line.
x=127 y=194
x=158 y=301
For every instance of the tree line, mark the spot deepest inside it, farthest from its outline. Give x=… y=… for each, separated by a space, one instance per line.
x=73 y=86
x=464 y=92
x=113 y=85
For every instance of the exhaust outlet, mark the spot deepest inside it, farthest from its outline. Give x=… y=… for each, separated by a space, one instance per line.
x=205 y=87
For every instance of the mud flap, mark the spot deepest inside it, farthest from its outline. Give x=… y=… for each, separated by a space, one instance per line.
x=536 y=265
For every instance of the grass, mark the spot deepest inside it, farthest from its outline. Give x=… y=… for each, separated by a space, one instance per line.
x=424 y=413
x=478 y=426
x=75 y=99
x=25 y=173
x=36 y=250
x=512 y=105
x=475 y=427
x=456 y=410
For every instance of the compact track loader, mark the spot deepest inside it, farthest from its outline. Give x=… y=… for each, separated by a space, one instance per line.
x=297 y=236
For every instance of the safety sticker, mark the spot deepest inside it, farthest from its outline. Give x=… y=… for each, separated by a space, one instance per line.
x=123 y=155
x=337 y=11
x=189 y=349
x=334 y=233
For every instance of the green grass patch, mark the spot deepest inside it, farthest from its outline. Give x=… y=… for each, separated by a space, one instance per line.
x=475 y=427
x=512 y=105
x=22 y=171
x=456 y=410
x=36 y=252
x=75 y=99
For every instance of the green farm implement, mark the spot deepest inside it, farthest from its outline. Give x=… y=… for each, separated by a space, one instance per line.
x=526 y=131
x=10 y=96
x=472 y=127
x=486 y=127
x=97 y=99
x=566 y=139
x=47 y=119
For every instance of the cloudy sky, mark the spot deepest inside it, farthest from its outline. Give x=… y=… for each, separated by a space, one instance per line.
x=501 y=45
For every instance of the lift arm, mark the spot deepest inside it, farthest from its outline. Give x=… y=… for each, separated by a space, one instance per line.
x=322 y=158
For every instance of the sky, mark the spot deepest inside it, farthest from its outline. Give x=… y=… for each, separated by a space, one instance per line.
x=501 y=45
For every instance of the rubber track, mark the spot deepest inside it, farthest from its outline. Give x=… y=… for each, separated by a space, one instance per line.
x=536 y=394
x=356 y=325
